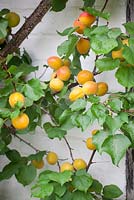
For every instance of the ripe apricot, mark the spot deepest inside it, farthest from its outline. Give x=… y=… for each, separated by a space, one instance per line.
x=80 y=26
x=38 y=164
x=83 y=76
x=102 y=88
x=90 y=87
x=13 y=19
x=76 y=93
x=66 y=167
x=21 y=121
x=89 y=144
x=117 y=54
x=15 y=98
x=86 y=18
x=83 y=46
x=52 y=158
x=79 y=164
x=94 y=131
x=66 y=62
x=56 y=85
x=54 y=62
x=63 y=73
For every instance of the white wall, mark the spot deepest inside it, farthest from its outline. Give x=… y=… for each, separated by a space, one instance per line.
x=41 y=44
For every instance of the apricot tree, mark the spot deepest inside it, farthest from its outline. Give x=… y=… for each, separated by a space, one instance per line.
x=72 y=98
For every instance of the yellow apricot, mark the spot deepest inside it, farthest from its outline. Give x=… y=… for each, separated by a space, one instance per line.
x=54 y=62
x=90 y=87
x=84 y=75
x=86 y=18
x=56 y=85
x=76 y=93
x=79 y=164
x=89 y=144
x=102 y=88
x=63 y=73
x=80 y=26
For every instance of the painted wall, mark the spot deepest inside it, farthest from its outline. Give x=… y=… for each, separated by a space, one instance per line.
x=41 y=44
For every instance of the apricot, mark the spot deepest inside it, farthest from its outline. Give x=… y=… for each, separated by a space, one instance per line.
x=90 y=87
x=56 y=85
x=117 y=54
x=83 y=76
x=102 y=88
x=54 y=62
x=86 y=18
x=63 y=73
x=80 y=26
x=76 y=93
x=66 y=167
x=83 y=46
x=66 y=62
x=79 y=164
x=13 y=19
x=89 y=144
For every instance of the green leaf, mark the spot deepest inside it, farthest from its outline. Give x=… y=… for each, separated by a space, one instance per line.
x=67 y=31
x=3 y=28
x=89 y=32
x=114 y=123
x=54 y=131
x=15 y=113
x=100 y=47
x=112 y=191
x=33 y=89
x=115 y=104
x=26 y=174
x=107 y=64
x=82 y=181
x=1 y=122
x=116 y=146
x=4 y=112
x=13 y=155
x=99 y=111
x=5 y=135
x=128 y=52
x=68 y=46
x=128 y=129
x=98 y=13
x=93 y=99
x=4 y=12
x=58 y=5
x=81 y=196
x=114 y=32
x=9 y=170
x=65 y=120
x=124 y=76
x=76 y=63
x=99 y=138
x=84 y=120
x=129 y=27
x=89 y=3
x=38 y=156
x=78 y=105
x=59 y=190
x=26 y=57
x=42 y=191
x=96 y=187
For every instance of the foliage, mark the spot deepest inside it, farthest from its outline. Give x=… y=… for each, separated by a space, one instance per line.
x=114 y=115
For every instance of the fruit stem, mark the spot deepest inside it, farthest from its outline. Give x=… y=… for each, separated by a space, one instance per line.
x=91 y=160
x=70 y=149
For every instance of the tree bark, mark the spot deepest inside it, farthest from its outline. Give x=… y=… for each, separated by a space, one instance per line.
x=130 y=152
x=26 y=28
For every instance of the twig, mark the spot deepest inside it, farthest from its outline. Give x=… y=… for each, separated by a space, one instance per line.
x=70 y=149
x=58 y=164
x=91 y=160
x=104 y=6
x=26 y=28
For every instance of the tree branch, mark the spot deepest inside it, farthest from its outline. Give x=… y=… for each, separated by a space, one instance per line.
x=70 y=149
x=26 y=28
x=91 y=160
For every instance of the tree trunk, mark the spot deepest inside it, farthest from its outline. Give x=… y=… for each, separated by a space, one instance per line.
x=130 y=152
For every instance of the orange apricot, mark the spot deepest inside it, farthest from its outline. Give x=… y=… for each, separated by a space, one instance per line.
x=86 y=18
x=90 y=87
x=83 y=76
x=54 y=62
x=56 y=85
x=80 y=26
x=63 y=73
x=102 y=88
x=83 y=46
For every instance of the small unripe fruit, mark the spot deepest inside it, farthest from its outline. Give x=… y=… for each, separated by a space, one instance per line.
x=80 y=26
x=87 y=19
x=66 y=167
x=102 y=88
x=76 y=93
x=83 y=46
x=90 y=87
x=83 y=76
x=54 y=62
x=38 y=164
x=79 y=164
x=56 y=85
x=52 y=158
x=89 y=144
x=13 y=19
x=63 y=73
